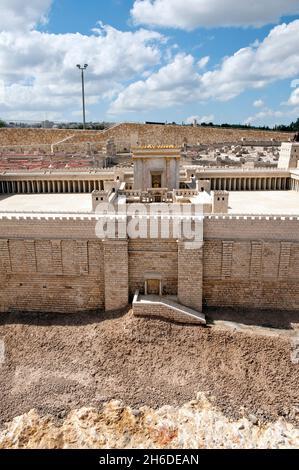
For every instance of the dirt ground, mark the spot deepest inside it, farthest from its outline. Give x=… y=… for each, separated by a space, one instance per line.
x=56 y=363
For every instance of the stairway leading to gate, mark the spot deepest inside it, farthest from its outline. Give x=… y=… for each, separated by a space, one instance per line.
x=166 y=307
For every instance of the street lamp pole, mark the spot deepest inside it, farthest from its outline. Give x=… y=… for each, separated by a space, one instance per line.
x=83 y=68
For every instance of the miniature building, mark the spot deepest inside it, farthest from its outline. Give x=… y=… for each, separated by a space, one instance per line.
x=203 y=185
x=246 y=255
x=98 y=197
x=220 y=202
x=156 y=168
x=289 y=155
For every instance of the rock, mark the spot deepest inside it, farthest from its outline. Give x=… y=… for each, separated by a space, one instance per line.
x=253 y=419
x=194 y=425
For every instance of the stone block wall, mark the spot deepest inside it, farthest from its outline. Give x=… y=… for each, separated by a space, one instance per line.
x=51 y=275
x=258 y=274
x=159 y=256
x=190 y=271
x=116 y=274
x=58 y=265
x=126 y=135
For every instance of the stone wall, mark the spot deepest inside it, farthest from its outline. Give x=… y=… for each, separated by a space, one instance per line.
x=11 y=137
x=251 y=273
x=60 y=265
x=159 y=256
x=190 y=271
x=116 y=274
x=127 y=135
x=51 y=275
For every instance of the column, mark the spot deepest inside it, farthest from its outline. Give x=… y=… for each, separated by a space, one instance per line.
x=227 y=259
x=284 y=260
x=256 y=260
x=190 y=276
x=116 y=274
x=57 y=256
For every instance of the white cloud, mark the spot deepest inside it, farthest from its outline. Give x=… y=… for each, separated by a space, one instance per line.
x=200 y=119
x=39 y=69
x=22 y=14
x=260 y=117
x=202 y=63
x=295 y=83
x=258 y=103
x=272 y=116
x=294 y=98
x=180 y=82
x=190 y=14
x=173 y=84
x=276 y=58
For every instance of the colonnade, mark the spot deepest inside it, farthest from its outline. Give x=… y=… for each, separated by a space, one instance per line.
x=251 y=184
x=87 y=186
x=50 y=186
x=294 y=184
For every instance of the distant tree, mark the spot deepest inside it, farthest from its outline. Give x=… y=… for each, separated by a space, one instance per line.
x=2 y=123
x=293 y=127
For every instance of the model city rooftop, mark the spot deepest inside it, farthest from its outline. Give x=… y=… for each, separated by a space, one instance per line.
x=159 y=175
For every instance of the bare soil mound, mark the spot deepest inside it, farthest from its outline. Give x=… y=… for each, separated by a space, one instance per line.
x=57 y=363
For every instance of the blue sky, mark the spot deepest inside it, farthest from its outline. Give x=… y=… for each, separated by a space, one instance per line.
x=174 y=60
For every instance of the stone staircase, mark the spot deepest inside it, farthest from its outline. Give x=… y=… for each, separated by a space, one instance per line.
x=166 y=307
